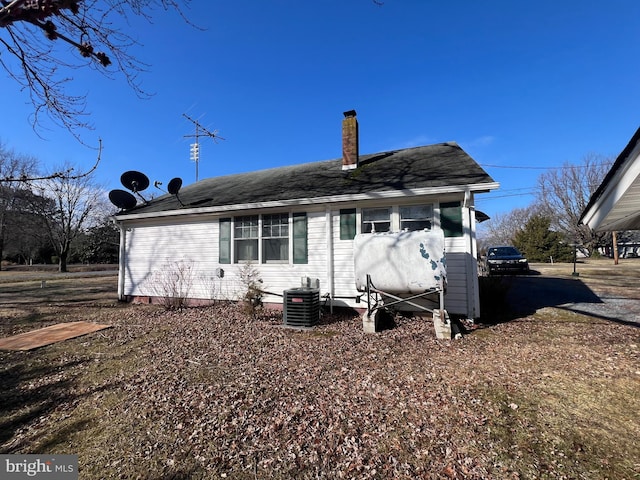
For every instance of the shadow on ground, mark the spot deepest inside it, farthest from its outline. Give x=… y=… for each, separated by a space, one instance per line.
x=32 y=389
x=505 y=298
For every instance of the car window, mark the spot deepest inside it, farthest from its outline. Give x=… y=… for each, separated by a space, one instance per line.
x=503 y=251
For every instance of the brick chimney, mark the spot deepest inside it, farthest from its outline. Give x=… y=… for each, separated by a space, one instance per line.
x=349 y=141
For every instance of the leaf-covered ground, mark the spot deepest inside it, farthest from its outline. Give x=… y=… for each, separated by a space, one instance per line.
x=211 y=393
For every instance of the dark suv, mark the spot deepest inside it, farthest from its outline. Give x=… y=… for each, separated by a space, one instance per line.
x=506 y=260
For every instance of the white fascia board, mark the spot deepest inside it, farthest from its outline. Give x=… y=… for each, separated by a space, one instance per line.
x=615 y=189
x=222 y=209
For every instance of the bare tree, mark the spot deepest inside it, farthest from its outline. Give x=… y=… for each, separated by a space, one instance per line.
x=12 y=165
x=26 y=239
x=502 y=229
x=75 y=203
x=32 y=32
x=564 y=193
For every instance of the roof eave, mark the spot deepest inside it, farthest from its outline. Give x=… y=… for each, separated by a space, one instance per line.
x=592 y=214
x=617 y=184
x=390 y=194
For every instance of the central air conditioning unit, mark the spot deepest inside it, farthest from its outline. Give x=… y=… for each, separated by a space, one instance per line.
x=301 y=307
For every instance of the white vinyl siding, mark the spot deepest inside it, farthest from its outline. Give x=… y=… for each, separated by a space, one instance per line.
x=344 y=279
x=151 y=250
x=154 y=255
x=154 y=250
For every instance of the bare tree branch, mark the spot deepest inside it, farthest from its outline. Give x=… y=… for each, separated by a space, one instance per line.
x=68 y=173
x=31 y=32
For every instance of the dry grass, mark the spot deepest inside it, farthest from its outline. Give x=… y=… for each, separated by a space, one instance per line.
x=208 y=393
x=601 y=275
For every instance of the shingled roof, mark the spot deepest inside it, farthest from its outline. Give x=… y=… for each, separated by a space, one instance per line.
x=439 y=167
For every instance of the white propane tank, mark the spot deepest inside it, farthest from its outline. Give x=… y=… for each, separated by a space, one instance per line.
x=403 y=262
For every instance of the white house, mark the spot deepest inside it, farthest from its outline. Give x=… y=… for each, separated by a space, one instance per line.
x=300 y=221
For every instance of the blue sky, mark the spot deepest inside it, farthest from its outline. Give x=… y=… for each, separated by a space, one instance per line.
x=516 y=84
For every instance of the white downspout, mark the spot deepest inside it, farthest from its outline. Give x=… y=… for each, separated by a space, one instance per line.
x=329 y=253
x=122 y=261
x=473 y=295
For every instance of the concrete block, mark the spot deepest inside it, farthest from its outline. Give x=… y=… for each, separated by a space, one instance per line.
x=442 y=326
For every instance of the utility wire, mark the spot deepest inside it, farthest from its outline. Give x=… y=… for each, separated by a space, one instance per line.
x=566 y=167
x=494 y=197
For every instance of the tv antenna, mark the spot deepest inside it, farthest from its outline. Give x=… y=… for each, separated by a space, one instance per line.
x=195 y=147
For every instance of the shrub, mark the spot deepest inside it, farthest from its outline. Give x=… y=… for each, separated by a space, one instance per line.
x=252 y=283
x=172 y=284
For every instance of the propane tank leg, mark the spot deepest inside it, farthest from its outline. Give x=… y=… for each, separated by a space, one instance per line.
x=442 y=324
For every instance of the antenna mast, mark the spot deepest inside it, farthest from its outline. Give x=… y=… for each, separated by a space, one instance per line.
x=195 y=147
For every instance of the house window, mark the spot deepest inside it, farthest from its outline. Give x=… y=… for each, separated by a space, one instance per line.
x=272 y=232
x=275 y=238
x=300 y=249
x=451 y=219
x=224 y=241
x=347 y=223
x=245 y=234
x=376 y=220
x=416 y=217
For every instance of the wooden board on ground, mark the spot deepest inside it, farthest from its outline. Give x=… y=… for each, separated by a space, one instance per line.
x=48 y=335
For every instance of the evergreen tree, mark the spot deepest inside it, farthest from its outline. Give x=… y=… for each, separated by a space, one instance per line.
x=539 y=244
x=99 y=244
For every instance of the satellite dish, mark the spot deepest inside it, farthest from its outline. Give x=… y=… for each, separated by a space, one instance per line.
x=174 y=186
x=134 y=181
x=122 y=199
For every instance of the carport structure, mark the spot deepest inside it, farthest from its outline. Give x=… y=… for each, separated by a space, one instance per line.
x=615 y=205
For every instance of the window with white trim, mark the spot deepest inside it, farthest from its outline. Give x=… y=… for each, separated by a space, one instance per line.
x=347 y=223
x=245 y=234
x=376 y=220
x=451 y=219
x=416 y=217
x=275 y=238
x=224 y=241
x=280 y=238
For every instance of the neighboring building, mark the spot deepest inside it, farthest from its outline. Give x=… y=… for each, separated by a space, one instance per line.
x=615 y=205
x=299 y=222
